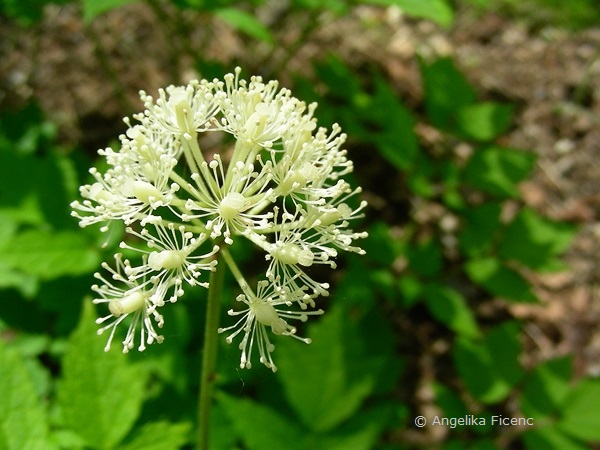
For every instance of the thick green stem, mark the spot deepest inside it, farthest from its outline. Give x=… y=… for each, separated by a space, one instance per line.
x=209 y=356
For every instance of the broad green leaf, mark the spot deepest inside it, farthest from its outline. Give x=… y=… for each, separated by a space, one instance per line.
x=380 y=246
x=34 y=189
x=451 y=309
x=421 y=176
x=490 y=366
x=24 y=131
x=26 y=284
x=158 y=436
x=67 y=439
x=221 y=435
x=384 y=282
x=484 y=121
x=245 y=22
x=355 y=287
x=451 y=184
x=446 y=91
x=410 y=290
x=437 y=10
x=480 y=226
x=425 y=258
x=347 y=370
x=395 y=136
x=23 y=419
x=93 y=8
x=361 y=432
x=342 y=82
x=499 y=170
x=338 y=7
x=449 y=401
x=100 y=393
x=535 y=241
x=8 y=228
x=261 y=427
x=546 y=388
x=580 y=412
x=26 y=12
x=550 y=438
x=50 y=255
x=500 y=280
x=371 y=351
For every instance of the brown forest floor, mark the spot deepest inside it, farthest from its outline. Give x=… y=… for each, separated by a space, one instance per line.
x=86 y=78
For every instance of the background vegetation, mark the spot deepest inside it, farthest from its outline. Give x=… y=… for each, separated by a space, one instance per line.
x=427 y=323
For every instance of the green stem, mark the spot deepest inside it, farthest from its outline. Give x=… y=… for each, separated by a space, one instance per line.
x=209 y=357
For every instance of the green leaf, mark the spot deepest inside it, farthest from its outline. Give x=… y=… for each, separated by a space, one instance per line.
x=342 y=82
x=535 y=241
x=246 y=23
x=261 y=427
x=425 y=258
x=24 y=131
x=480 y=226
x=446 y=91
x=26 y=12
x=8 y=228
x=380 y=246
x=490 y=367
x=500 y=280
x=384 y=282
x=93 y=8
x=410 y=290
x=343 y=361
x=26 y=284
x=451 y=309
x=580 y=412
x=23 y=419
x=338 y=7
x=355 y=287
x=396 y=141
x=546 y=388
x=100 y=393
x=50 y=255
x=550 y=438
x=499 y=170
x=421 y=176
x=158 y=436
x=484 y=121
x=436 y=10
x=32 y=187
x=361 y=432
x=449 y=401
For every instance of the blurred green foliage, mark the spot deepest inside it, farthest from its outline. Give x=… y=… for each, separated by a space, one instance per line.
x=353 y=387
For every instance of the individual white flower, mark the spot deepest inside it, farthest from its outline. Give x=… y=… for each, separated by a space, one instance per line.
x=115 y=196
x=171 y=260
x=265 y=309
x=257 y=114
x=224 y=200
x=183 y=109
x=292 y=253
x=137 y=183
x=328 y=223
x=128 y=299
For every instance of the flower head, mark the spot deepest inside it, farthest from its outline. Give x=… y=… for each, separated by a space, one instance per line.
x=278 y=183
x=264 y=312
x=128 y=298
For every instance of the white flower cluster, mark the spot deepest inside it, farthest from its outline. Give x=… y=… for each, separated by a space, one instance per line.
x=280 y=187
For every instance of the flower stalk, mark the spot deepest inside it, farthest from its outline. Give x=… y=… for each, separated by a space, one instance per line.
x=209 y=353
